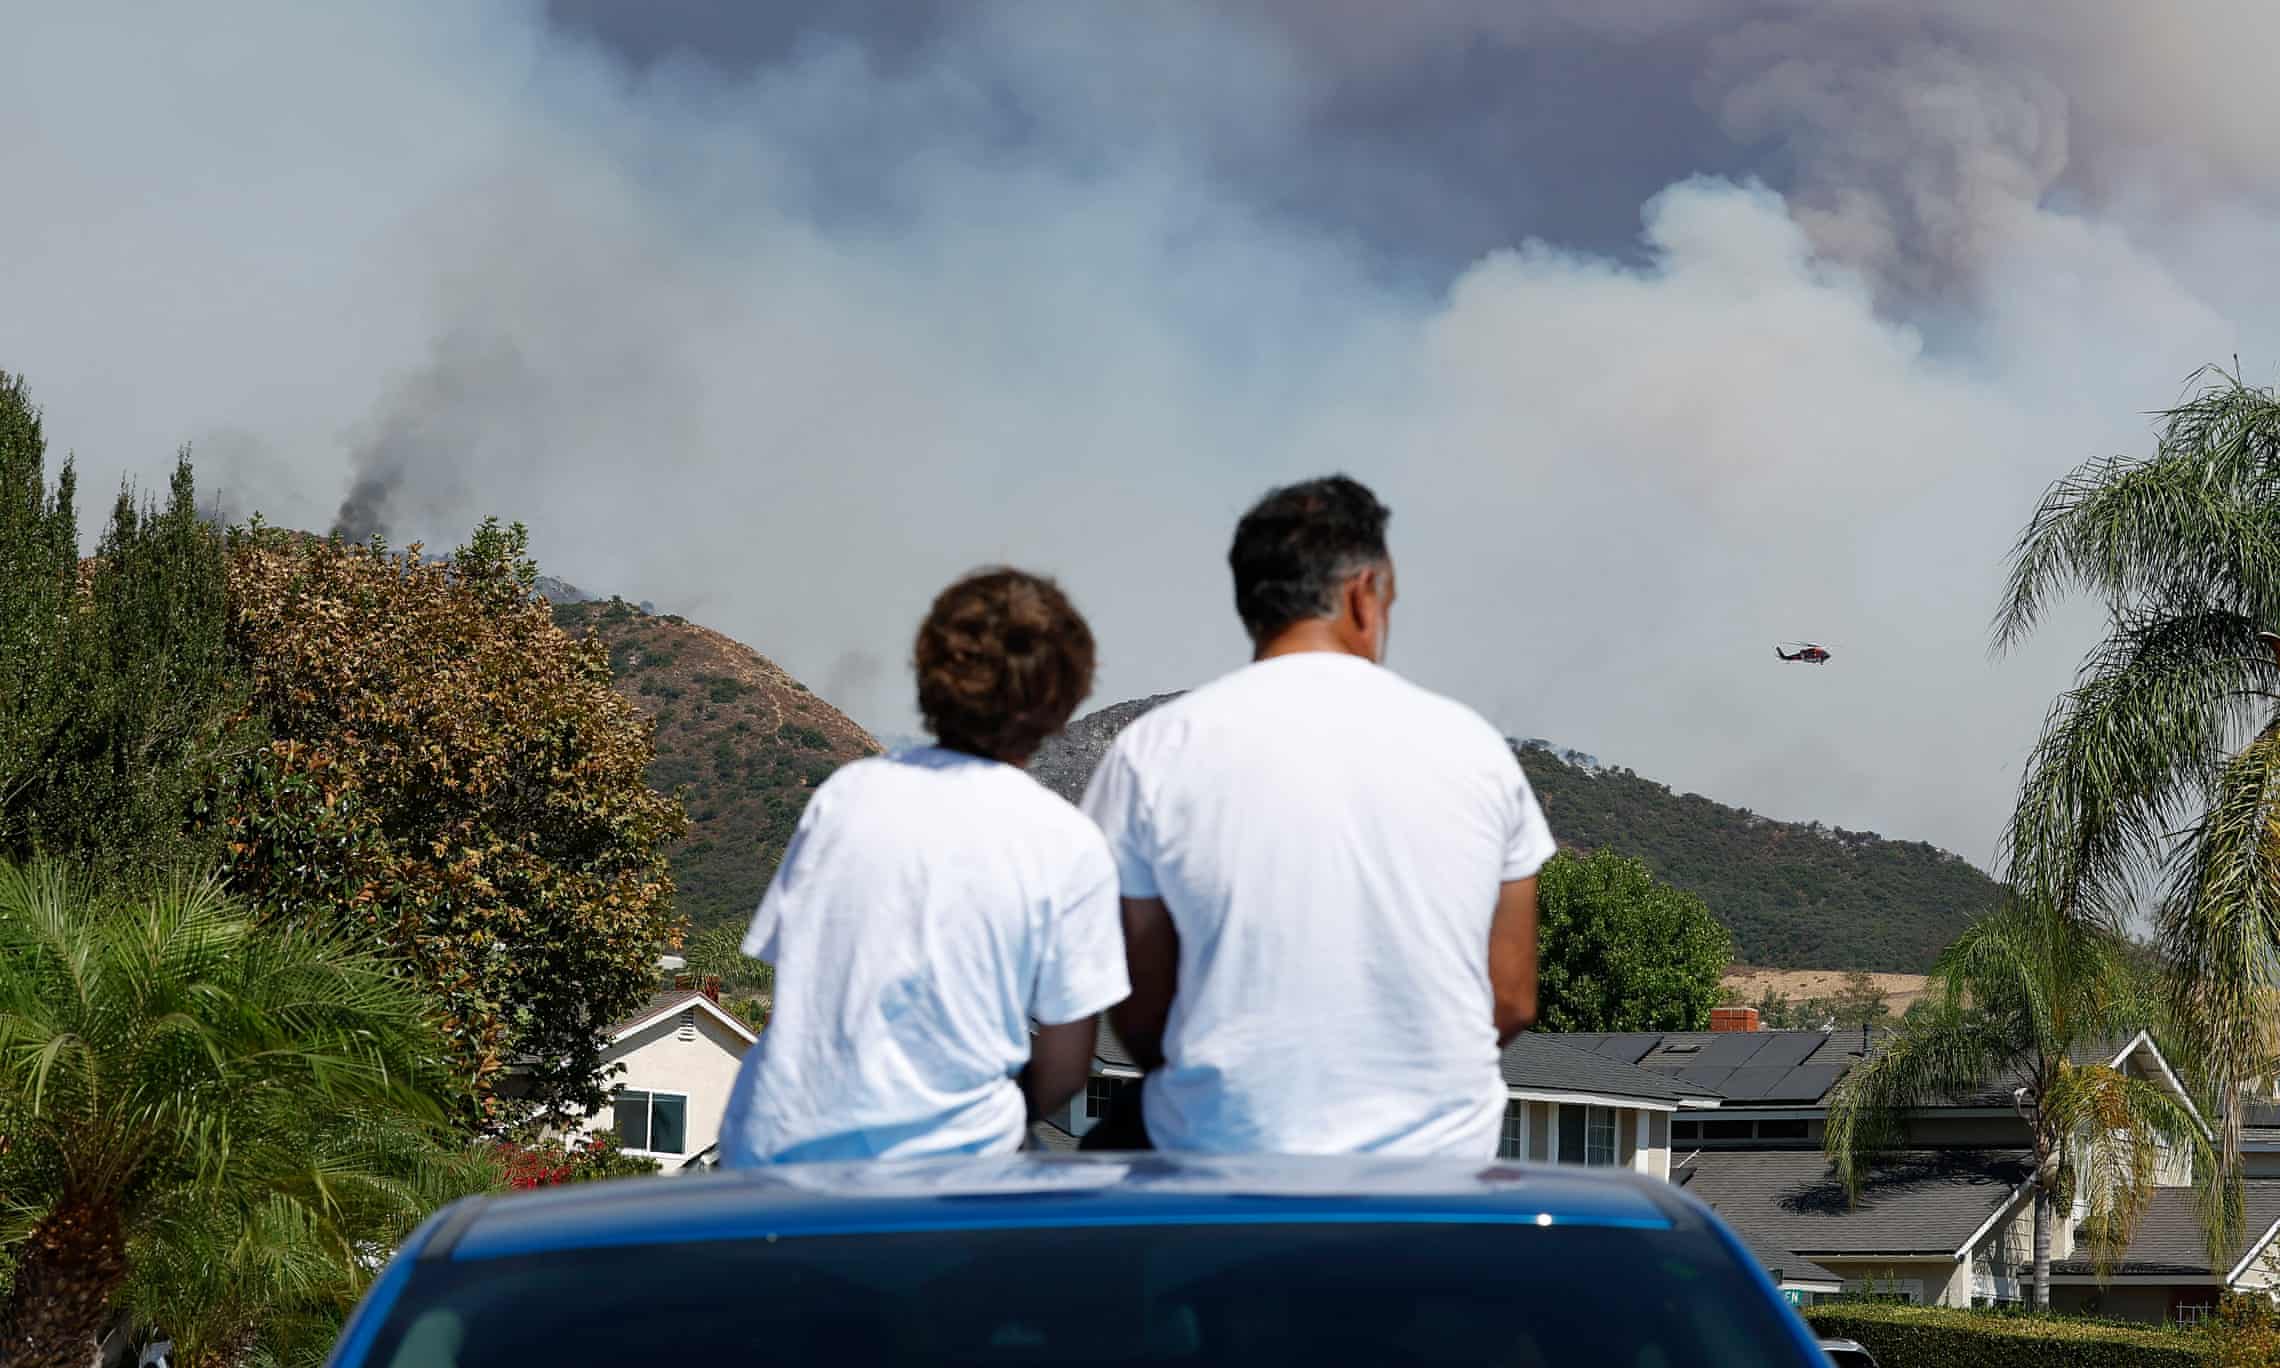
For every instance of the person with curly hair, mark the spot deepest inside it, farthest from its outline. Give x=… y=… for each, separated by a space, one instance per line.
x=932 y=905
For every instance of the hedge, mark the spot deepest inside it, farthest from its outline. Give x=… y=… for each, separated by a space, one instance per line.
x=1949 y=1337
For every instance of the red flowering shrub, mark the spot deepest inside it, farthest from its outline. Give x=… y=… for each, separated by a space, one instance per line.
x=549 y=1162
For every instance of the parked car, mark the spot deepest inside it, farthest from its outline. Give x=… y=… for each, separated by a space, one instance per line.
x=1105 y=1258
x=1846 y=1353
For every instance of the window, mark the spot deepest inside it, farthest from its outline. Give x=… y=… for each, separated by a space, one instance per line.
x=1571 y=1135
x=1685 y=1130
x=1194 y=1295
x=1511 y=1144
x=1728 y=1130
x=1099 y=1092
x=1599 y=1137
x=1780 y=1130
x=655 y=1123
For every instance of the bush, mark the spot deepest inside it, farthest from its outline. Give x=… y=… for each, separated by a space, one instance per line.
x=2245 y=1334
x=1948 y=1337
x=550 y=1162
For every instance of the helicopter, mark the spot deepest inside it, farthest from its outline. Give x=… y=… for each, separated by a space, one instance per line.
x=1806 y=651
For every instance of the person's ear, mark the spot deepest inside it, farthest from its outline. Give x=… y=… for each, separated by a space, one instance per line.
x=1366 y=602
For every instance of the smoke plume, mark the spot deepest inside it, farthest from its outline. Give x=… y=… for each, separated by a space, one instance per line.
x=1668 y=330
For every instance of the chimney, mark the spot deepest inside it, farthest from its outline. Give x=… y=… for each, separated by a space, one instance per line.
x=712 y=987
x=1725 y=1019
x=680 y=982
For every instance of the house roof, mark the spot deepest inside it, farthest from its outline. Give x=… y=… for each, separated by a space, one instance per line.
x=2169 y=1236
x=1051 y=1137
x=2260 y=1124
x=1911 y=1201
x=1793 y=1068
x=1788 y=1267
x=669 y=1003
x=1550 y=1063
x=1747 y=1068
x=1110 y=1052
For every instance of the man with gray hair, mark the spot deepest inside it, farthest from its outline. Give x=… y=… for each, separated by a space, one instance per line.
x=1328 y=874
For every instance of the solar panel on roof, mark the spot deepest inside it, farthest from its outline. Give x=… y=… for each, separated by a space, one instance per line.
x=1732 y=1050
x=1808 y=1082
x=1707 y=1076
x=1787 y=1050
x=1752 y=1083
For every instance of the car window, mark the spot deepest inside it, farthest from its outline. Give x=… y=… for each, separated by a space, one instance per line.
x=1249 y=1295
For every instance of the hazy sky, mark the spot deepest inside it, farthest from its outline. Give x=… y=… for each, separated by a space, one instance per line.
x=1667 y=336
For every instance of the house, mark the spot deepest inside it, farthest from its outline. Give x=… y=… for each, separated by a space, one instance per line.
x=1563 y=1105
x=680 y=1054
x=1947 y=1219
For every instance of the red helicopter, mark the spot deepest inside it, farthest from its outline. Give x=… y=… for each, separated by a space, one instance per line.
x=1806 y=651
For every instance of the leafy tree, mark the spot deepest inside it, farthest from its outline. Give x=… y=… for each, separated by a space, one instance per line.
x=176 y=1077
x=451 y=775
x=2016 y=1000
x=2171 y=724
x=1620 y=951
x=1860 y=1002
x=120 y=696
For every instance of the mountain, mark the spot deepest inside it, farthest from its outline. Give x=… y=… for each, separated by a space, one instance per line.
x=745 y=741
x=1795 y=895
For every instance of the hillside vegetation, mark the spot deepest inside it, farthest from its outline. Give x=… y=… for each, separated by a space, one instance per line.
x=1795 y=895
x=744 y=742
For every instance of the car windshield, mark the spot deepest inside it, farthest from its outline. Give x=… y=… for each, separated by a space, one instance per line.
x=1249 y=1295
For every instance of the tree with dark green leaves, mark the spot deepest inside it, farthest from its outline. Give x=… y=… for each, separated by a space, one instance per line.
x=1618 y=950
x=2160 y=769
x=2015 y=1003
x=120 y=697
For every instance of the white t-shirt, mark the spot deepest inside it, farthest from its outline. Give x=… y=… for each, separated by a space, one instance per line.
x=928 y=907
x=1330 y=840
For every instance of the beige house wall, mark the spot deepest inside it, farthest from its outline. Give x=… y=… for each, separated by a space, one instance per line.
x=689 y=1053
x=1944 y=1282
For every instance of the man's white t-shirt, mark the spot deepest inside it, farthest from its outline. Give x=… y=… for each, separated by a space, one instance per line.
x=1329 y=840
x=929 y=905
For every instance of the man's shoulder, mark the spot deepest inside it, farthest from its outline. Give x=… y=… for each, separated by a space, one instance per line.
x=1446 y=716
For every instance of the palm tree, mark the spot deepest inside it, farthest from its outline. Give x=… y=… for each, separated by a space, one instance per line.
x=2024 y=1001
x=2160 y=769
x=168 y=1066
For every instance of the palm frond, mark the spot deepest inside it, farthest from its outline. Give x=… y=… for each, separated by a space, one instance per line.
x=2121 y=1129
x=2220 y=927
x=2125 y=757
x=2195 y=518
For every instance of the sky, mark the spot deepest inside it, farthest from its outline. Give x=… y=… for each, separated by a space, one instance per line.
x=1668 y=330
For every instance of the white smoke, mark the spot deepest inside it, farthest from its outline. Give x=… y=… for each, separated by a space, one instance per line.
x=784 y=350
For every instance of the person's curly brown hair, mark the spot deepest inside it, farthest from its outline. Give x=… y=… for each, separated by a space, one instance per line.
x=1003 y=660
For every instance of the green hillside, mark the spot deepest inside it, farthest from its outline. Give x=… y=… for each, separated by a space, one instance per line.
x=1796 y=895
x=741 y=740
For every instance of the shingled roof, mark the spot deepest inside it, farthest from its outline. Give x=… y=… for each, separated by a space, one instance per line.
x=1788 y=1266
x=1549 y=1063
x=2169 y=1238
x=1912 y=1202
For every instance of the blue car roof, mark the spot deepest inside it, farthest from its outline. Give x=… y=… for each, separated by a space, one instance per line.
x=1046 y=1191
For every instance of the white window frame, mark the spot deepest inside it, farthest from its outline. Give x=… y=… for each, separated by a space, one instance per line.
x=1512 y=1134
x=1614 y=1149
x=625 y=1094
x=1107 y=1093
